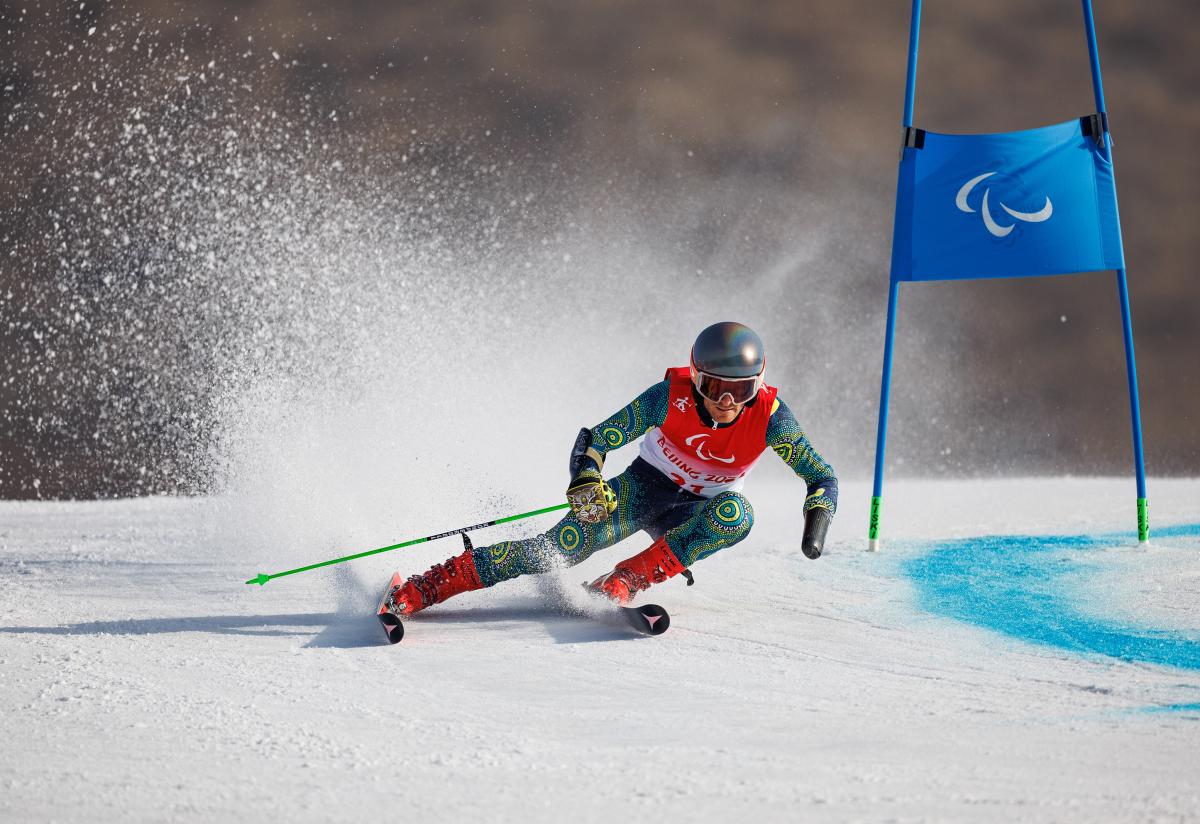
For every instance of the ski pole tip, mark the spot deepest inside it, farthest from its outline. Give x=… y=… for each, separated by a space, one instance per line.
x=259 y=579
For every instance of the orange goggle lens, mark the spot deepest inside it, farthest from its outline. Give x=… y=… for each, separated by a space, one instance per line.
x=740 y=390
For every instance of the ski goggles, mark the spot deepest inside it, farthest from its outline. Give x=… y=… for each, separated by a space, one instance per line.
x=714 y=387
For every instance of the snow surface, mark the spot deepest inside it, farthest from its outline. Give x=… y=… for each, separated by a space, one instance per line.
x=140 y=679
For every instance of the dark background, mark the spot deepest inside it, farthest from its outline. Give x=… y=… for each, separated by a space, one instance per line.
x=698 y=113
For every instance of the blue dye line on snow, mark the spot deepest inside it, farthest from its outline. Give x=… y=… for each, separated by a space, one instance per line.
x=1187 y=709
x=1021 y=585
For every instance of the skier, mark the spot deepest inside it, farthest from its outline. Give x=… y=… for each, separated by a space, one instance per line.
x=705 y=427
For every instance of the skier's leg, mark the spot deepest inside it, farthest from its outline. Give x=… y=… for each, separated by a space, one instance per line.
x=719 y=522
x=723 y=520
x=567 y=543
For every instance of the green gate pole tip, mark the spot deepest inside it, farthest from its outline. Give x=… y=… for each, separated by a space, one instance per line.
x=1143 y=512
x=873 y=527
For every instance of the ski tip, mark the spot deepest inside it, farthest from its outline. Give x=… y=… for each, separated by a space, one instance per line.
x=650 y=619
x=392 y=627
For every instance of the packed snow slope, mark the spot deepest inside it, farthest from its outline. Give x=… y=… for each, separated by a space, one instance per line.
x=1012 y=654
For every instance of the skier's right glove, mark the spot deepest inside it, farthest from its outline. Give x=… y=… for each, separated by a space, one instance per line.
x=591 y=499
x=816 y=524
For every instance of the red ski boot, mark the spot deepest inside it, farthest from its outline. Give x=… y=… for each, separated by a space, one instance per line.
x=442 y=581
x=631 y=576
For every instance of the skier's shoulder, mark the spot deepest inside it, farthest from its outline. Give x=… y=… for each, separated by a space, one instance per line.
x=676 y=375
x=781 y=419
x=777 y=404
x=662 y=387
x=652 y=402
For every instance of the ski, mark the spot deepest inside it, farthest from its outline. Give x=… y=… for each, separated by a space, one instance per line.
x=392 y=627
x=647 y=619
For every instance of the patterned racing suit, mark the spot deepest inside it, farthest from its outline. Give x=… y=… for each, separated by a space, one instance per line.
x=698 y=513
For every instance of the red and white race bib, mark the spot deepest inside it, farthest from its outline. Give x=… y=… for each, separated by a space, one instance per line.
x=699 y=458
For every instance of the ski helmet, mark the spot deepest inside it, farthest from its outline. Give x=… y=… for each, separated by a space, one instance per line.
x=728 y=358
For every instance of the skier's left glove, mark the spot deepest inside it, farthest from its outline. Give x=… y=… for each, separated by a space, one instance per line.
x=591 y=499
x=816 y=524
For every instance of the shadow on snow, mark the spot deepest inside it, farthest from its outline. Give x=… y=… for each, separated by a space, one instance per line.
x=344 y=630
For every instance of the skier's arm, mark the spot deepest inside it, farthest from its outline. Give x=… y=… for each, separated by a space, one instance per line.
x=643 y=412
x=591 y=499
x=789 y=442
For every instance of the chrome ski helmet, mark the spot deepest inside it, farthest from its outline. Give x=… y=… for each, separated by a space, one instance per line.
x=728 y=358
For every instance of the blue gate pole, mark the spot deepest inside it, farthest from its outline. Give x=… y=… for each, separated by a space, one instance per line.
x=1135 y=414
x=885 y=392
x=1089 y=25
x=910 y=79
x=889 y=338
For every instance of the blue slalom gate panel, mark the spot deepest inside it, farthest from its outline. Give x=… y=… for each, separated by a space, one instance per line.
x=1034 y=202
x=1015 y=204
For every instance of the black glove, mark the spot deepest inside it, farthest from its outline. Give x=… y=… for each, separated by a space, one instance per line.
x=583 y=456
x=816 y=524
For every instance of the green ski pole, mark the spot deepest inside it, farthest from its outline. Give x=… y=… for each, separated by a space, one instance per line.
x=263 y=577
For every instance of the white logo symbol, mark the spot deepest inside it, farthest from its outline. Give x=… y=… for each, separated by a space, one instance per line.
x=681 y=404
x=704 y=456
x=992 y=226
